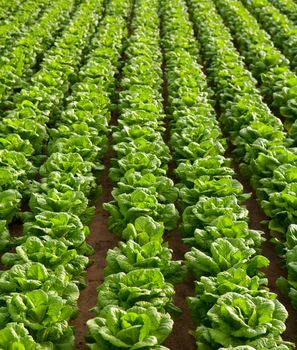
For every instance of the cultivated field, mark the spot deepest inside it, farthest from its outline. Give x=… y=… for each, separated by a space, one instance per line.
x=148 y=174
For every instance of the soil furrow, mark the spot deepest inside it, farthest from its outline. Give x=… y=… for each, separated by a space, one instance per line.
x=101 y=240
x=275 y=269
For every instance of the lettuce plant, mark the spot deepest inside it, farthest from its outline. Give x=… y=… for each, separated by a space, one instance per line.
x=208 y=209
x=32 y=276
x=161 y=186
x=236 y=319
x=44 y=314
x=205 y=186
x=134 y=328
x=144 y=230
x=140 y=287
x=63 y=226
x=131 y=256
x=225 y=226
x=52 y=253
x=70 y=201
x=225 y=253
x=209 y=289
x=127 y=207
x=15 y=336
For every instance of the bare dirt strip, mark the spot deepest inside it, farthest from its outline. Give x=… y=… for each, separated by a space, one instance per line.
x=275 y=268
x=101 y=240
x=180 y=338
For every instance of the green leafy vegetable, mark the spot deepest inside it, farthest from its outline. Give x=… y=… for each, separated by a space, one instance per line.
x=135 y=328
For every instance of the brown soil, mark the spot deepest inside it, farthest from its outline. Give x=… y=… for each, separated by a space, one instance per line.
x=181 y=338
x=101 y=240
x=16 y=228
x=275 y=269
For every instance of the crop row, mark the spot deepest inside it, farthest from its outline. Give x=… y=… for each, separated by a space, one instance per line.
x=19 y=59
x=281 y=29
x=232 y=307
x=267 y=64
x=260 y=144
x=26 y=15
x=288 y=7
x=40 y=289
x=135 y=299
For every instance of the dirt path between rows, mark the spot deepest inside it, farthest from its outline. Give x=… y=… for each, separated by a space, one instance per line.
x=180 y=338
x=275 y=269
x=101 y=240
